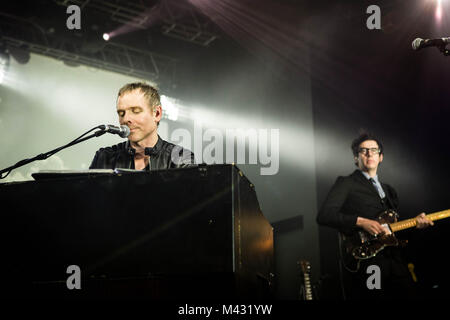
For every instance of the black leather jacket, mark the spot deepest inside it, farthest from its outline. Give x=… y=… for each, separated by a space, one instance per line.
x=164 y=155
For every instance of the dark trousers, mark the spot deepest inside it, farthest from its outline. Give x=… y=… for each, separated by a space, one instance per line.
x=395 y=279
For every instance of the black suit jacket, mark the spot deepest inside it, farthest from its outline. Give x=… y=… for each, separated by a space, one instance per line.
x=351 y=197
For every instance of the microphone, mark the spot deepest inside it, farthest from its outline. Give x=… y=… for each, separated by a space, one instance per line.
x=123 y=131
x=419 y=43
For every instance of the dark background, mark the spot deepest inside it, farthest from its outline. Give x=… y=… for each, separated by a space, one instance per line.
x=372 y=80
x=316 y=67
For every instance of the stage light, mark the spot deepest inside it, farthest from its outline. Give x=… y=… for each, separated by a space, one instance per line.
x=170 y=108
x=106 y=36
x=92 y=40
x=438 y=12
x=20 y=54
x=4 y=65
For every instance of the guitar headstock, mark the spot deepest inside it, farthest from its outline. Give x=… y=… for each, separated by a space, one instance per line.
x=306 y=266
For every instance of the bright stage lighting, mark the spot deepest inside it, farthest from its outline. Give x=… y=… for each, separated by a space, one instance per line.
x=106 y=36
x=4 y=64
x=439 y=13
x=170 y=107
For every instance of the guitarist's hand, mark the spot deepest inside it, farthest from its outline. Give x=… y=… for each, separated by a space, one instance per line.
x=371 y=226
x=423 y=221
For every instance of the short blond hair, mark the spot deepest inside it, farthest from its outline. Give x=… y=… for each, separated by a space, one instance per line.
x=150 y=93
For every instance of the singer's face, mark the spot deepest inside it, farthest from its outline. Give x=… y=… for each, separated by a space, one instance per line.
x=134 y=111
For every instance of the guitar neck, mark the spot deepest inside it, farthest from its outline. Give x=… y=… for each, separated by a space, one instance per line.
x=306 y=270
x=410 y=223
x=308 y=291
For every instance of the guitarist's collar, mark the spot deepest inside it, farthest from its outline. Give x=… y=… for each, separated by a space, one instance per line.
x=365 y=174
x=359 y=174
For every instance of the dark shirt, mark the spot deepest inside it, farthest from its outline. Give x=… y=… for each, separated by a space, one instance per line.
x=164 y=155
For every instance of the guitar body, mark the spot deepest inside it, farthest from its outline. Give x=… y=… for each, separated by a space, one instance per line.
x=361 y=245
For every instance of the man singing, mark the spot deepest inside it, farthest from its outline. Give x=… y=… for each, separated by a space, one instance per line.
x=139 y=108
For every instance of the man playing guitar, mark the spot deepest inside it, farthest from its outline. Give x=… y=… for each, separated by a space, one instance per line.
x=353 y=204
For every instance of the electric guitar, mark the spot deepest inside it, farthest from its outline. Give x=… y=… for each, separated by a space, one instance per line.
x=306 y=290
x=362 y=245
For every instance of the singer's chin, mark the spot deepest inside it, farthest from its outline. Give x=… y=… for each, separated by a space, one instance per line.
x=135 y=138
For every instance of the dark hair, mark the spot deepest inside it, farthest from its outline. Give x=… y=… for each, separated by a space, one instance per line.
x=364 y=137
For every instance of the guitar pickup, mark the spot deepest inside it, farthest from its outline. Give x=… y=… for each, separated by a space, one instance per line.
x=387 y=229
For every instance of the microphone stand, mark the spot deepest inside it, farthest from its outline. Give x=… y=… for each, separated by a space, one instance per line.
x=48 y=154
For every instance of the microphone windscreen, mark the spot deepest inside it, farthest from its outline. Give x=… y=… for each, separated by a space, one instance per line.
x=125 y=131
x=416 y=43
